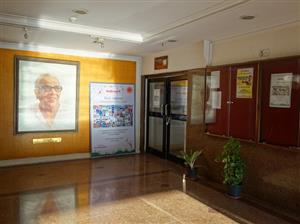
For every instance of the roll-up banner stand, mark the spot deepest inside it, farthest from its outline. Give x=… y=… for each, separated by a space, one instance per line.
x=112 y=119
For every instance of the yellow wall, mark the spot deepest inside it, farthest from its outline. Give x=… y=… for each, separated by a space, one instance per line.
x=91 y=70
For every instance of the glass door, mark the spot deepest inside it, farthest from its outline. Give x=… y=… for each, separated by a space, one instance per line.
x=177 y=117
x=156 y=128
x=167 y=116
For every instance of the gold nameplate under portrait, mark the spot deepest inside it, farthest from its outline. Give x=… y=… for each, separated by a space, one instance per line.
x=45 y=140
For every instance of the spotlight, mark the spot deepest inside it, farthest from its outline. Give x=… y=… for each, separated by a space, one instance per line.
x=25 y=33
x=99 y=41
x=72 y=19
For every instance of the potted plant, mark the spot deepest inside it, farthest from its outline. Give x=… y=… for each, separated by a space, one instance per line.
x=234 y=167
x=189 y=160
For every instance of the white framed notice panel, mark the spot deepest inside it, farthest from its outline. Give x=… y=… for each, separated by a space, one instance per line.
x=112 y=119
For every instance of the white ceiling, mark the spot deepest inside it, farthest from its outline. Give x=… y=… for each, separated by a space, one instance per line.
x=155 y=21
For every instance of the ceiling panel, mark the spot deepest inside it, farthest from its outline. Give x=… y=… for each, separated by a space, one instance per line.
x=184 y=20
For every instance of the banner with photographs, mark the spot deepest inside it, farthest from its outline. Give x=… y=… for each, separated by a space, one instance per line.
x=112 y=119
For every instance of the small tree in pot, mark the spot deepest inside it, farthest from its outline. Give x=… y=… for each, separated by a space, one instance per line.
x=189 y=161
x=234 y=166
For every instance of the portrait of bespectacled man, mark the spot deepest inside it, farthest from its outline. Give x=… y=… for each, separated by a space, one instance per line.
x=46 y=95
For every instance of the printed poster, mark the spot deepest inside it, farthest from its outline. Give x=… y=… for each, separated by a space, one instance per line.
x=281 y=90
x=112 y=118
x=216 y=97
x=179 y=92
x=244 y=83
x=215 y=80
x=156 y=98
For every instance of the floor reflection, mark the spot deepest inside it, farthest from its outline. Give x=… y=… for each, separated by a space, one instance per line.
x=33 y=206
x=131 y=189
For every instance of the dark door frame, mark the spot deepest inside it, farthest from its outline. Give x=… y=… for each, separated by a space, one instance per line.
x=145 y=78
x=166 y=114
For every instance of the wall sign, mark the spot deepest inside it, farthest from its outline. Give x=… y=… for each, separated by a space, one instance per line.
x=112 y=118
x=161 y=62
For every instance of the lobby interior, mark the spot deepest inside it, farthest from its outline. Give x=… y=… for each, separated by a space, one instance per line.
x=199 y=73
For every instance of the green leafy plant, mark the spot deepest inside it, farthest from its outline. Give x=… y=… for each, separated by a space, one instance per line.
x=190 y=158
x=234 y=166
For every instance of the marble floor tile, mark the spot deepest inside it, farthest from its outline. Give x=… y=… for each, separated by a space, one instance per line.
x=129 y=189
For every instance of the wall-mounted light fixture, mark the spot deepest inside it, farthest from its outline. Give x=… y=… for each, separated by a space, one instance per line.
x=264 y=52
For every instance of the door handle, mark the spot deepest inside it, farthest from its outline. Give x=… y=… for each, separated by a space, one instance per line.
x=168 y=119
x=166 y=109
x=162 y=110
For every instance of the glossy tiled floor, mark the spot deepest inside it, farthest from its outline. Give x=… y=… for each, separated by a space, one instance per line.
x=131 y=189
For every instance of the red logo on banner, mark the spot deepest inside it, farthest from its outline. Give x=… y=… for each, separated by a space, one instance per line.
x=129 y=89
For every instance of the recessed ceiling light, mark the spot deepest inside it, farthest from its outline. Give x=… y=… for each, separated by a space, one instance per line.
x=165 y=42
x=80 y=11
x=247 y=17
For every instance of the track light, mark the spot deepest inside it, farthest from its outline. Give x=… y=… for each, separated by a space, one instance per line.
x=25 y=33
x=99 y=41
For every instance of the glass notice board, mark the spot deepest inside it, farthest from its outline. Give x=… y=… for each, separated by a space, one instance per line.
x=257 y=101
x=231 y=101
x=280 y=102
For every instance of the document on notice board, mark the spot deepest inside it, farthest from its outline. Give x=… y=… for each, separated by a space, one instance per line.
x=215 y=80
x=244 y=83
x=216 y=99
x=281 y=90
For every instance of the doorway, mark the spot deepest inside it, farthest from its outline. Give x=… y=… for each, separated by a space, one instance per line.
x=167 y=100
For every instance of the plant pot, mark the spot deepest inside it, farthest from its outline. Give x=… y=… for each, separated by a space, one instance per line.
x=191 y=173
x=235 y=191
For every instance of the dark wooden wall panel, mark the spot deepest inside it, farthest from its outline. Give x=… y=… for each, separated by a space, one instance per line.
x=243 y=110
x=280 y=126
x=220 y=126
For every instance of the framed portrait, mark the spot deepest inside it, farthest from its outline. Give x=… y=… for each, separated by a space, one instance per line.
x=46 y=95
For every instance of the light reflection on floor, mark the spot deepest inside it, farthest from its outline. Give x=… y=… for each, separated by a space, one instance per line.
x=131 y=189
x=164 y=207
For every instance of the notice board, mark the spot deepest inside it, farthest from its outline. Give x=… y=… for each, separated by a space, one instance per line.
x=217 y=95
x=243 y=106
x=280 y=102
x=231 y=101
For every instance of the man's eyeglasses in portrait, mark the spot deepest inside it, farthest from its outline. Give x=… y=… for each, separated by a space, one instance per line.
x=47 y=89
